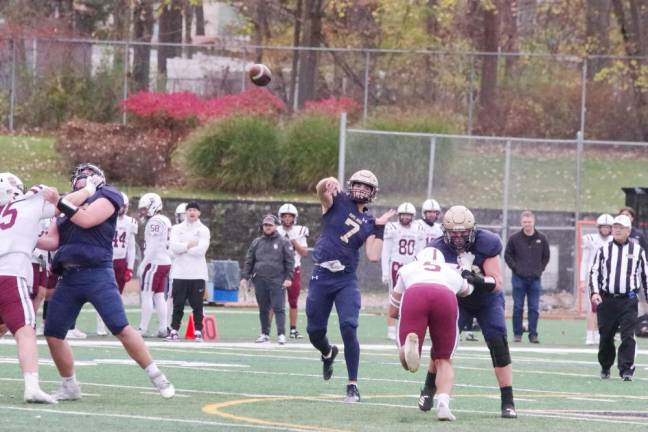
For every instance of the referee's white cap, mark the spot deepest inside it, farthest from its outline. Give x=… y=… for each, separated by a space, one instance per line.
x=622 y=220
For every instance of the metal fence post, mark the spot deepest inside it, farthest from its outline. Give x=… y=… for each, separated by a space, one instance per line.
x=583 y=98
x=430 y=183
x=507 y=183
x=125 y=90
x=366 y=88
x=471 y=92
x=577 y=211
x=342 y=147
x=12 y=100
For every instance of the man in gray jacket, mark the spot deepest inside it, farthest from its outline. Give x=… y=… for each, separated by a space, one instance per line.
x=269 y=265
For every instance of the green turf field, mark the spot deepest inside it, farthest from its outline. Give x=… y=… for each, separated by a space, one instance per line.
x=235 y=385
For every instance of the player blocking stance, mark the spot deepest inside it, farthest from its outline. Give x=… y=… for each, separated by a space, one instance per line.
x=403 y=240
x=156 y=263
x=84 y=265
x=346 y=226
x=425 y=296
x=19 y=231
x=478 y=249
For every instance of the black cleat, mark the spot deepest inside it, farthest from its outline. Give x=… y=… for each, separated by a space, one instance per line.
x=605 y=373
x=627 y=376
x=327 y=366
x=352 y=394
x=508 y=411
x=426 y=400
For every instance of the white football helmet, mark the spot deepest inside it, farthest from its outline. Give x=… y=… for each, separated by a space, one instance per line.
x=458 y=228
x=430 y=205
x=288 y=209
x=406 y=213
x=180 y=212
x=124 y=209
x=151 y=202
x=431 y=255
x=604 y=219
x=365 y=177
x=10 y=187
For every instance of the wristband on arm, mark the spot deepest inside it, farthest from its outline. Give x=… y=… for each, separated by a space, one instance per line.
x=379 y=231
x=66 y=207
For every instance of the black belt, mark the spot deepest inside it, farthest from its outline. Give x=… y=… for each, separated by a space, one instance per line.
x=608 y=295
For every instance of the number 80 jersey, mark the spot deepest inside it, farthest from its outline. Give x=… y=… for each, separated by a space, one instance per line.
x=344 y=231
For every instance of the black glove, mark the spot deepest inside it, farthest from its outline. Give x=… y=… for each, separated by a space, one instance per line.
x=483 y=284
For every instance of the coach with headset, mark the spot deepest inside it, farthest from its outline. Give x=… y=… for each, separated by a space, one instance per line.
x=618 y=271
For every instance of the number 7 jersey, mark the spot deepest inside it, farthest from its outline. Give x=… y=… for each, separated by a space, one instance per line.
x=344 y=231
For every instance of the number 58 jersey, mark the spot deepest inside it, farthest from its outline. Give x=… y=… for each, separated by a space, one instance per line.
x=344 y=231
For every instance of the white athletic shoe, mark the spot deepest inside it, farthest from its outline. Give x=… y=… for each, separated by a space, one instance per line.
x=391 y=333
x=166 y=389
x=68 y=391
x=75 y=333
x=411 y=352
x=444 y=413
x=38 y=396
x=102 y=332
x=263 y=338
x=281 y=339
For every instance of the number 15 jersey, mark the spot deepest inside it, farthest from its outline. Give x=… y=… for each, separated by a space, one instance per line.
x=344 y=231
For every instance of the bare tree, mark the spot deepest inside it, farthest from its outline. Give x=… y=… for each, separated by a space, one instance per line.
x=143 y=20
x=597 y=37
x=311 y=37
x=170 y=31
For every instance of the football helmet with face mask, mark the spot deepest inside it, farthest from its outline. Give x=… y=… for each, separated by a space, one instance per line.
x=406 y=213
x=149 y=205
x=85 y=170
x=364 y=177
x=10 y=187
x=458 y=228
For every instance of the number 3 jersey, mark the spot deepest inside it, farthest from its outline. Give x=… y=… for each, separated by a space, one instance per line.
x=344 y=231
x=401 y=244
x=419 y=272
x=124 y=240
x=19 y=230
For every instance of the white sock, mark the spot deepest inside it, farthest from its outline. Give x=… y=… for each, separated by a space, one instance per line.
x=161 y=309
x=152 y=370
x=31 y=381
x=69 y=380
x=443 y=399
x=147 y=310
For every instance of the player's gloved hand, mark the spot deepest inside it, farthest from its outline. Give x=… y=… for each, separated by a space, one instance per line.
x=128 y=275
x=465 y=260
x=481 y=283
x=90 y=187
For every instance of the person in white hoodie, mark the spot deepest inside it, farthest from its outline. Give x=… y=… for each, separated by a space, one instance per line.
x=189 y=244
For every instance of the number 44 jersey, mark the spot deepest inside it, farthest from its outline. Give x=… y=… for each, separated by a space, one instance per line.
x=124 y=239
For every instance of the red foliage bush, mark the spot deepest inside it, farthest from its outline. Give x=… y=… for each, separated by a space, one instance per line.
x=333 y=106
x=127 y=154
x=186 y=109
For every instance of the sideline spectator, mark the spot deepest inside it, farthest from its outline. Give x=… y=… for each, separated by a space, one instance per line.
x=269 y=264
x=527 y=255
x=189 y=244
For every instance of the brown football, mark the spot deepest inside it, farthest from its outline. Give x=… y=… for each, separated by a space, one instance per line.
x=260 y=74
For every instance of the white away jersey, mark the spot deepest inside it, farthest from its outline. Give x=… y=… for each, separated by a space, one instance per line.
x=296 y=232
x=124 y=239
x=400 y=245
x=156 y=241
x=431 y=231
x=40 y=256
x=590 y=245
x=19 y=231
x=418 y=272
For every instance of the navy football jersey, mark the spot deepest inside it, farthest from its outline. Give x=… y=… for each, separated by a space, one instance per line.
x=486 y=245
x=344 y=231
x=90 y=247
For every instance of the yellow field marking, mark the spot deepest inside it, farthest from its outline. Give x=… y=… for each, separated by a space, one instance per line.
x=216 y=410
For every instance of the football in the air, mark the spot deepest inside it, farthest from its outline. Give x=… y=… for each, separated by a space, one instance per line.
x=260 y=74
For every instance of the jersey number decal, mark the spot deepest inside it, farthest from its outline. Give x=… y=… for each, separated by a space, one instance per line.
x=428 y=266
x=406 y=247
x=119 y=239
x=12 y=213
x=355 y=227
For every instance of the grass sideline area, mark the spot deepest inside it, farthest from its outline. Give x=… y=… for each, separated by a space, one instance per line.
x=236 y=385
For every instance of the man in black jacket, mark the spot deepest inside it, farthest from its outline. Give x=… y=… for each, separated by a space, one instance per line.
x=269 y=264
x=527 y=255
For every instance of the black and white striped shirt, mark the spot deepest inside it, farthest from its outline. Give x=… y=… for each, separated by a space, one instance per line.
x=619 y=269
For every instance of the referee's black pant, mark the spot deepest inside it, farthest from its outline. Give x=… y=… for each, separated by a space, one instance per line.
x=617 y=313
x=194 y=290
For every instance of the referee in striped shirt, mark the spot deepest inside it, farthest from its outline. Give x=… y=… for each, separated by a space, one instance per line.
x=618 y=271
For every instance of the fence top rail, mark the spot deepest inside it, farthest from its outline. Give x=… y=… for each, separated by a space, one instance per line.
x=494 y=138
x=236 y=45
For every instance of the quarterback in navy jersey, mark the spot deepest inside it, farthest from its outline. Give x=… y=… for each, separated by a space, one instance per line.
x=83 y=262
x=478 y=250
x=347 y=225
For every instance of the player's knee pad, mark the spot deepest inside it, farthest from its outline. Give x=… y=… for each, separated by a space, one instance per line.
x=499 y=351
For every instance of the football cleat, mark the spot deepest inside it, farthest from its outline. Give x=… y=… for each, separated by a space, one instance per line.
x=198 y=336
x=327 y=364
x=38 y=396
x=352 y=394
x=101 y=332
x=263 y=338
x=173 y=336
x=294 y=334
x=75 y=333
x=281 y=339
x=426 y=399
x=444 y=413
x=410 y=350
x=67 y=391
x=508 y=411
x=166 y=389
x=605 y=373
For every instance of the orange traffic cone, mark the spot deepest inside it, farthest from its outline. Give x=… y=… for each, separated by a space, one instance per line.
x=190 y=332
